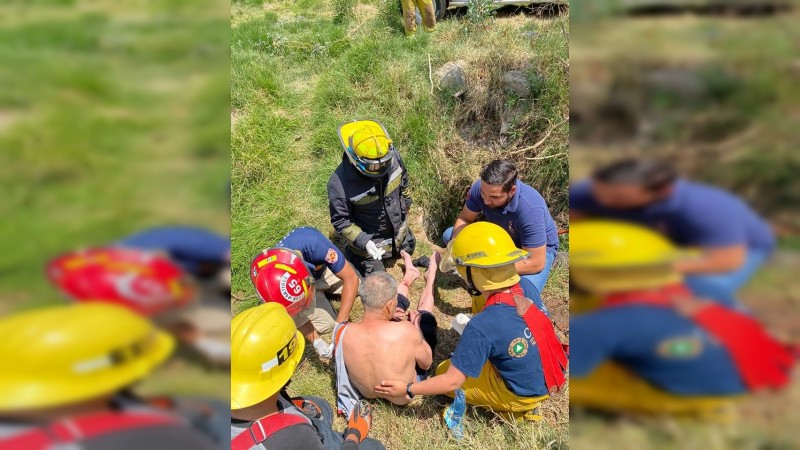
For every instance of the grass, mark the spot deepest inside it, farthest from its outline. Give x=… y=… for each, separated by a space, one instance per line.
x=297 y=74
x=111 y=120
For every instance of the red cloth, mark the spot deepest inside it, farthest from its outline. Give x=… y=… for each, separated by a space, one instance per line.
x=74 y=430
x=762 y=361
x=263 y=428
x=551 y=351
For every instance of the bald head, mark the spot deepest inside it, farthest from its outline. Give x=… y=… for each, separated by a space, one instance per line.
x=377 y=290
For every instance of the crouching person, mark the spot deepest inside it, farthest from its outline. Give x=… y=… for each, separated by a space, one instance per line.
x=509 y=357
x=266 y=349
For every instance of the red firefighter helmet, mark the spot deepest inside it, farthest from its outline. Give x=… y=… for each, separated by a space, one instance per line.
x=145 y=282
x=280 y=275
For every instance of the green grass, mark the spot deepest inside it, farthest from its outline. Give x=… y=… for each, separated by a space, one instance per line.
x=297 y=74
x=113 y=118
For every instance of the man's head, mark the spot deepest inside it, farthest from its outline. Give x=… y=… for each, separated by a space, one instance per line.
x=633 y=183
x=498 y=183
x=378 y=293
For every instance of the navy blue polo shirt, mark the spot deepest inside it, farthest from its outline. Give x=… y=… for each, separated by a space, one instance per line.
x=318 y=251
x=526 y=217
x=190 y=247
x=659 y=345
x=694 y=215
x=499 y=335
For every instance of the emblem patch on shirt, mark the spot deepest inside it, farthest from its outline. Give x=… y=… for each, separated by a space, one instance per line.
x=680 y=347
x=332 y=256
x=518 y=348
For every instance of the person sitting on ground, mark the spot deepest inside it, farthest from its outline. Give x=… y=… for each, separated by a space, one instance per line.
x=266 y=350
x=397 y=349
x=509 y=357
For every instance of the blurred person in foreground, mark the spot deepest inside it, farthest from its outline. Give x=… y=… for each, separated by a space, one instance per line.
x=67 y=378
x=267 y=348
x=506 y=201
x=651 y=345
x=398 y=348
x=733 y=241
x=509 y=358
x=332 y=273
x=153 y=285
x=204 y=254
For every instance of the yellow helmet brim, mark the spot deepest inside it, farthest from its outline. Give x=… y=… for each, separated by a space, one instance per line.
x=248 y=391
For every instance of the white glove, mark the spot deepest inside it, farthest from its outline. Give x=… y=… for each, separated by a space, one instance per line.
x=374 y=251
x=323 y=349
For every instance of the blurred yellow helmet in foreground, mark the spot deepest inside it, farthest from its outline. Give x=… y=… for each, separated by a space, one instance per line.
x=611 y=244
x=608 y=256
x=265 y=351
x=62 y=355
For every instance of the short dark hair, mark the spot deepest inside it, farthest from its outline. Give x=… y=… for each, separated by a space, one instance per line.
x=651 y=174
x=502 y=172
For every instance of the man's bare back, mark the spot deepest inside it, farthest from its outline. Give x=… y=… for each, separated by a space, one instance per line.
x=381 y=350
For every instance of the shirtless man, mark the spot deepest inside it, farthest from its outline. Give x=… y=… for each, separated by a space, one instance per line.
x=384 y=344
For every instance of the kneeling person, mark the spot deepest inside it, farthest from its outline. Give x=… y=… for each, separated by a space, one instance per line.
x=383 y=345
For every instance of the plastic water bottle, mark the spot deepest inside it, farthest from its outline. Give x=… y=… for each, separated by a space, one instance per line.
x=460 y=322
x=454 y=413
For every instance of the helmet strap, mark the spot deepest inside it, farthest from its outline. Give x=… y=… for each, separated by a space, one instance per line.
x=473 y=291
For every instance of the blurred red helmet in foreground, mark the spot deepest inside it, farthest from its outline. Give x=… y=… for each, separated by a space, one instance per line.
x=146 y=282
x=280 y=275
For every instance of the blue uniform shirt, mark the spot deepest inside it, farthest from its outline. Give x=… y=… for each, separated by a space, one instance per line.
x=317 y=250
x=695 y=215
x=526 y=217
x=190 y=247
x=497 y=334
x=657 y=344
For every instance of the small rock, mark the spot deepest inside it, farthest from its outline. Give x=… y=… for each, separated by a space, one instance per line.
x=516 y=82
x=451 y=75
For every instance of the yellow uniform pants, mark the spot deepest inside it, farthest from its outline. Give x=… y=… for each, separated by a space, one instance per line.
x=490 y=392
x=611 y=387
x=410 y=15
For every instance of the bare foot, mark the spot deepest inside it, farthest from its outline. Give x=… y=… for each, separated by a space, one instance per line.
x=436 y=258
x=411 y=273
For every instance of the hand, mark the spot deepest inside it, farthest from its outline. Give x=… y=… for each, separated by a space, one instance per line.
x=360 y=422
x=323 y=349
x=375 y=252
x=414 y=317
x=400 y=314
x=392 y=388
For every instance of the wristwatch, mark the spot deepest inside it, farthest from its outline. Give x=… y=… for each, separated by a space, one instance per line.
x=408 y=390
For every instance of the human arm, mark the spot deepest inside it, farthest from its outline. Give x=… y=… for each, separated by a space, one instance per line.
x=440 y=384
x=340 y=213
x=350 y=283
x=423 y=355
x=465 y=218
x=714 y=260
x=535 y=261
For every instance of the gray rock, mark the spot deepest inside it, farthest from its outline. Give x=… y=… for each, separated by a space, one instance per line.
x=516 y=82
x=451 y=75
